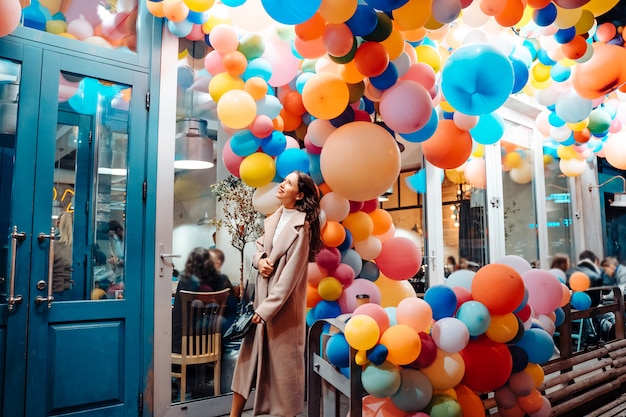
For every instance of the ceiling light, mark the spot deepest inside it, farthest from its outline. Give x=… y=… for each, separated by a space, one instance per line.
x=194 y=148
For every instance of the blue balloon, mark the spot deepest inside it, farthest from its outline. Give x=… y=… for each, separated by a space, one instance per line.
x=391 y=313
x=180 y=29
x=274 y=144
x=346 y=116
x=34 y=17
x=315 y=171
x=244 y=143
x=545 y=16
x=198 y=17
x=560 y=316
x=233 y=3
x=580 y=300
x=85 y=99
x=425 y=132
x=417 y=181
x=520 y=70
x=290 y=160
x=520 y=358
x=363 y=21
x=442 y=301
x=489 y=129
x=326 y=310
x=378 y=354
x=544 y=58
x=257 y=67
x=565 y=35
x=468 y=79
x=475 y=316
x=387 y=5
x=381 y=380
x=555 y=120
x=538 y=345
x=338 y=350
x=369 y=271
x=269 y=106
x=291 y=12
x=387 y=79
x=347 y=244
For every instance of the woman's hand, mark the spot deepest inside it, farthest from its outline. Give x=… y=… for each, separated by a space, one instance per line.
x=256 y=319
x=266 y=267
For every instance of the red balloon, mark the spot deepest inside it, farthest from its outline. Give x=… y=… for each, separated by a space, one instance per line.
x=488 y=364
x=570 y=4
x=371 y=59
x=428 y=354
x=449 y=147
x=399 y=259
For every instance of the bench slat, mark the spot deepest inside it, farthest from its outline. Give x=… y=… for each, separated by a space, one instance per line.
x=575 y=373
x=583 y=398
x=614 y=408
x=607 y=379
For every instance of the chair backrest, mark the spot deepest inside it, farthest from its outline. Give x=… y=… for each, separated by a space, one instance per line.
x=202 y=316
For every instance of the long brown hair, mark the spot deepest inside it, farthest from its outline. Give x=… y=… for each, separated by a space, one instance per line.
x=310 y=204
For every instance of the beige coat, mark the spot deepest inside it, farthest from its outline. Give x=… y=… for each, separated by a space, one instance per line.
x=275 y=350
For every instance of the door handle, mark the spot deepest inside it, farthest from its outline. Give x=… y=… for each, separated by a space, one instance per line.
x=49 y=299
x=14 y=299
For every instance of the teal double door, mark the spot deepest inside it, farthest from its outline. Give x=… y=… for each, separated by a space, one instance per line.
x=72 y=210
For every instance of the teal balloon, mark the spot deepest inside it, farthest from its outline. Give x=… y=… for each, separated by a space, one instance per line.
x=573 y=108
x=417 y=181
x=85 y=100
x=244 y=143
x=443 y=405
x=292 y=160
x=415 y=393
x=180 y=29
x=489 y=129
x=270 y=106
x=477 y=79
x=291 y=12
x=338 y=351
x=538 y=345
x=274 y=144
x=520 y=71
x=381 y=380
x=475 y=316
x=257 y=67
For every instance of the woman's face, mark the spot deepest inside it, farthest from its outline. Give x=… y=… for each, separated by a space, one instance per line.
x=288 y=191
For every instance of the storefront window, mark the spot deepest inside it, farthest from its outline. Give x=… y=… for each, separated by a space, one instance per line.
x=106 y=23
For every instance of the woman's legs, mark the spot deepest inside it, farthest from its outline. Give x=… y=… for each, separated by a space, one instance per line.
x=238 y=403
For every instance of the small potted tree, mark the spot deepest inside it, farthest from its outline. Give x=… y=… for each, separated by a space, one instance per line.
x=241 y=220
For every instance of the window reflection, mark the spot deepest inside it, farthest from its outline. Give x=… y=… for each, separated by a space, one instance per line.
x=106 y=23
x=90 y=173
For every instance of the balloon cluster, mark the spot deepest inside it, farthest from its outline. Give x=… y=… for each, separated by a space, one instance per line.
x=426 y=67
x=481 y=332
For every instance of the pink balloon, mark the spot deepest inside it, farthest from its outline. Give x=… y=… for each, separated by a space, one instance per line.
x=337 y=39
x=10 y=13
x=406 y=107
x=196 y=33
x=376 y=312
x=399 y=259
x=213 y=63
x=329 y=259
x=344 y=274
x=230 y=159
x=421 y=73
x=315 y=273
x=312 y=149
x=476 y=173
x=544 y=290
x=262 y=126
x=347 y=301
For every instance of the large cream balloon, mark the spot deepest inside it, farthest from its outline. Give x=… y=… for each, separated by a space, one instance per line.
x=360 y=161
x=10 y=13
x=615 y=150
x=264 y=199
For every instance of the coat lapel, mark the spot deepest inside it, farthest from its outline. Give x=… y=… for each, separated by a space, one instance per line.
x=287 y=235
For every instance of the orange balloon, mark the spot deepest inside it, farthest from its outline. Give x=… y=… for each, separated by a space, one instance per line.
x=566 y=296
x=499 y=287
x=292 y=101
x=311 y=49
x=492 y=7
x=575 y=48
x=449 y=147
x=599 y=76
x=312 y=297
x=511 y=14
x=538 y=4
x=311 y=29
x=582 y=136
x=579 y=281
x=530 y=403
x=290 y=122
x=382 y=221
x=470 y=402
x=333 y=234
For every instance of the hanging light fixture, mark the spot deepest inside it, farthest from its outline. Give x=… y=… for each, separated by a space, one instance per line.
x=194 y=148
x=619 y=199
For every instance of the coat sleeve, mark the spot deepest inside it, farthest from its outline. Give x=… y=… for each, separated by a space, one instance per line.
x=260 y=252
x=296 y=261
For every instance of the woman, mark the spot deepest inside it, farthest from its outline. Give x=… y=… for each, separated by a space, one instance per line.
x=274 y=352
x=199 y=275
x=62 y=267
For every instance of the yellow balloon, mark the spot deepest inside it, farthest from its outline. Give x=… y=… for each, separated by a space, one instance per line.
x=512 y=160
x=257 y=170
x=599 y=7
x=236 y=109
x=526 y=16
x=446 y=371
x=362 y=332
x=455 y=176
x=223 y=82
x=566 y=18
x=329 y=288
x=540 y=72
x=199 y=5
x=565 y=152
x=585 y=23
x=392 y=292
x=446 y=106
x=502 y=329
x=56 y=26
x=394 y=44
x=350 y=74
x=578 y=126
x=479 y=152
x=429 y=55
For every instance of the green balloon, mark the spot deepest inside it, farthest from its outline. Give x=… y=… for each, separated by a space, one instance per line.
x=252 y=46
x=443 y=405
x=599 y=121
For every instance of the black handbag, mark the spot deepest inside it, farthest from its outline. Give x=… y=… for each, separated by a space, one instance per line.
x=242 y=324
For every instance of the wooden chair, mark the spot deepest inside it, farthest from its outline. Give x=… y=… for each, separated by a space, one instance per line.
x=202 y=316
